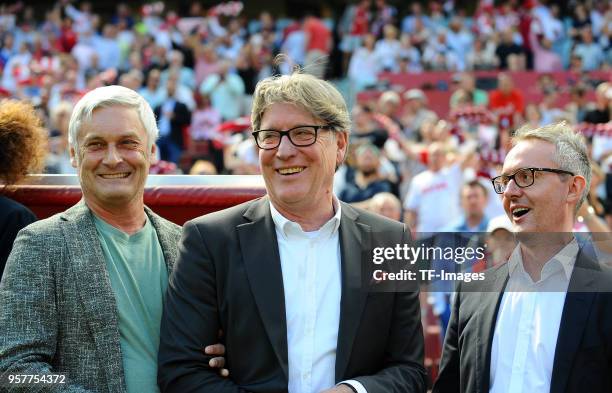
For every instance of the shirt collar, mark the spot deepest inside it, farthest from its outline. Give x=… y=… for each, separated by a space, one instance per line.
x=566 y=258
x=285 y=226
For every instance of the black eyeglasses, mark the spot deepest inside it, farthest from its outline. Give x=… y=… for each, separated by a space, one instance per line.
x=299 y=136
x=523 y=177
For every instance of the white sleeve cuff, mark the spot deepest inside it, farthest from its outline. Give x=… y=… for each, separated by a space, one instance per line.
x=355 y=384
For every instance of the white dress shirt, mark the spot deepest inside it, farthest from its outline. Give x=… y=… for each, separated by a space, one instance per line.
x=310 y=263
x=525 y=337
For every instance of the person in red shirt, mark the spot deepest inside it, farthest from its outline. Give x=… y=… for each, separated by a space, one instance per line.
x=507 y=102
x=318 y=46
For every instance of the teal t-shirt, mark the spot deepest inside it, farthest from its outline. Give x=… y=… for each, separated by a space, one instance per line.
x=139 y=279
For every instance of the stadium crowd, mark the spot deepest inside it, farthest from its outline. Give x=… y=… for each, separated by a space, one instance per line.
x=198 y=71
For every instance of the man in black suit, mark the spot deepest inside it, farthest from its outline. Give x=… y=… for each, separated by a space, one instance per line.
x=281 y=276
x=173 y=117
x=542 y=322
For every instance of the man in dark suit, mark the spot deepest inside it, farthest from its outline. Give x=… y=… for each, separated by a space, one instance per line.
x=172 y=118
x=281 y=276
x=542 y=322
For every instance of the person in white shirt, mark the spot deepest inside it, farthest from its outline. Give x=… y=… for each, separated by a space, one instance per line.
x=438 y=186
x=536 y=323
x=281 y=275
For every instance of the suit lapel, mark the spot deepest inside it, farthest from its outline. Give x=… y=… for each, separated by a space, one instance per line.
x=354 y=237
x=91 y=277
x=492 y=293
x=262 y=262
x=578 y=301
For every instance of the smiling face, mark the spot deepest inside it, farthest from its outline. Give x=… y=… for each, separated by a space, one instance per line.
x=112 y=158
x=546 y=205
x=300 y=178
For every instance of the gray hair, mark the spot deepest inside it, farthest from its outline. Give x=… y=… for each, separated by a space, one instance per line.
x=570 y=150
x=107 y=96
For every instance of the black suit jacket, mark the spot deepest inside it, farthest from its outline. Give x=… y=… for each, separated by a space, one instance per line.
x=181 y=119
x=583 y=354
x=229 y=278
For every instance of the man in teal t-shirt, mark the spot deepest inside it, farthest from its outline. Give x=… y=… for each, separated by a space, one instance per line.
x=82 y=291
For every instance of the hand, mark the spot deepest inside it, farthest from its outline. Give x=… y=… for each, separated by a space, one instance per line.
x=339 y=389
x=218 y=362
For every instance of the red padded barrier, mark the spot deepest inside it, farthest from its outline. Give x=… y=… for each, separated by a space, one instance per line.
x=175 y=202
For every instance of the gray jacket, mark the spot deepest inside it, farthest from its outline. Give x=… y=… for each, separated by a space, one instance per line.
x=57 y=307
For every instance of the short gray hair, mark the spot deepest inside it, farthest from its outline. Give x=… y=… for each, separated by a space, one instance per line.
x=570 y=149
x=107 y=96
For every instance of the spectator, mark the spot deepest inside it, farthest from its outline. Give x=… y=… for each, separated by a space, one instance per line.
x=8 y=48
x=229 y=45
x=186 y=76
x=482 y=55
x=364 y=67
x=84 y=50
x=366 y=180
x=183 y=93
x=438 y=56
x=550 y=111
x=468 y=228
x=589 y=218
x=460 y=41
x=589 y=51
x=546 y=22
x=107 y=48
x=580 y=20
x=507 y=101
x=533 y=116
x=17 y=68
x=58 y=159
x=294 y=47
x=415 y=112
x=387 y=49
x=83 y=18
x=318 y=46
x=202 y=167
x=387 y=205
x=416 y=17
x=467 y=89
x=207 y=62
x=474 y=199
x=510 y=54
x=173 y=117
x=22 y=151
x=577 y=107
x=225 y=89
x=366 y=128
x=421 y=35
x=132 y=79
x=152 y=92
x=383 y=15
x=409 y=57
x=438 y=186
x=389 y=104
x=601 y=112
x=205 y=122
x=500 y=240
x=123 y=15
x=545 y=59
x=352 y=30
